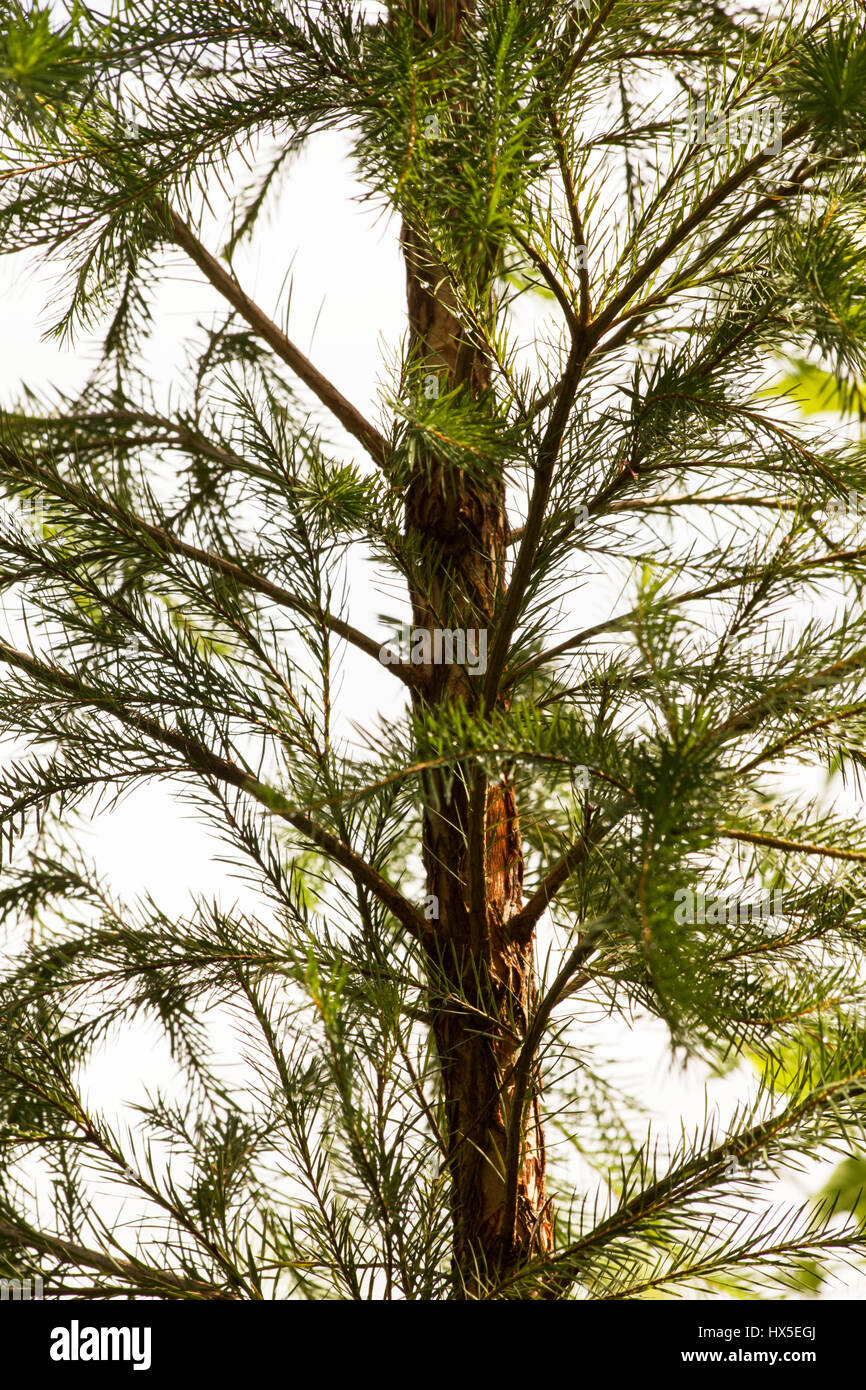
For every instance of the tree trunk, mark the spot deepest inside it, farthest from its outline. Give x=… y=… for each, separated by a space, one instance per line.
x=471 y=837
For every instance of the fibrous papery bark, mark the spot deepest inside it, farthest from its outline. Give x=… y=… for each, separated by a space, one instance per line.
x=482 y=978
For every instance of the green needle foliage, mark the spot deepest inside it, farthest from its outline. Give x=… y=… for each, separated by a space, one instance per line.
x=648 y=220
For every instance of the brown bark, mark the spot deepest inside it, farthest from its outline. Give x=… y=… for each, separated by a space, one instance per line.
x=471 y=835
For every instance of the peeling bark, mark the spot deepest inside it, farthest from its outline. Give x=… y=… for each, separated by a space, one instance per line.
x=477 y=877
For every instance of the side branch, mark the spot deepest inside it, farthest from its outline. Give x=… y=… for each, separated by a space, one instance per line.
x=348 y=415
x=757 y=837
x=525 y=559
x=246 y=578
x=788 y=189
x=521 y=926
x=209 y=764
x=155 y=1281
x=684 y=230
x=688 y=1180
x=573 y=210
x=690 y=596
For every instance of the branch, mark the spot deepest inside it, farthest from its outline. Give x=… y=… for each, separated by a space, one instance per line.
x=626 y=321
x=728 y=499
x=781 y=744
x=567 y=389
x=583 y=336
x=684 y=229
x=751 y=716
x=548 y=454
x=155 y=1280
x=583 y=48
x=551 y=281
x=217 y=564
x=692 y=595
x=521 y=926
x=573 y=210
x=690 y=1178
x=203 y=760
x=754 y=837
x=186 y=438
x=349 y=417
x=685 y=499
x=792 y=185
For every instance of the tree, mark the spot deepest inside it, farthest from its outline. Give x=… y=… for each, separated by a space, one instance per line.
x=565 y=820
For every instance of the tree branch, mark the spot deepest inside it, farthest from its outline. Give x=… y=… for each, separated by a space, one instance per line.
x=567 y=389
x=521 y=927
x=217 y=564
x=548 y=454
x=684 y=229
x=692 y=595
x=694 y=1175
x=556 y=289
x=349 y=417
x=155 y=1280
x=573 y=210
x=781 y=744
x=792 y=185
x=685 y=499
x=203 y=760
x=755 y=837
